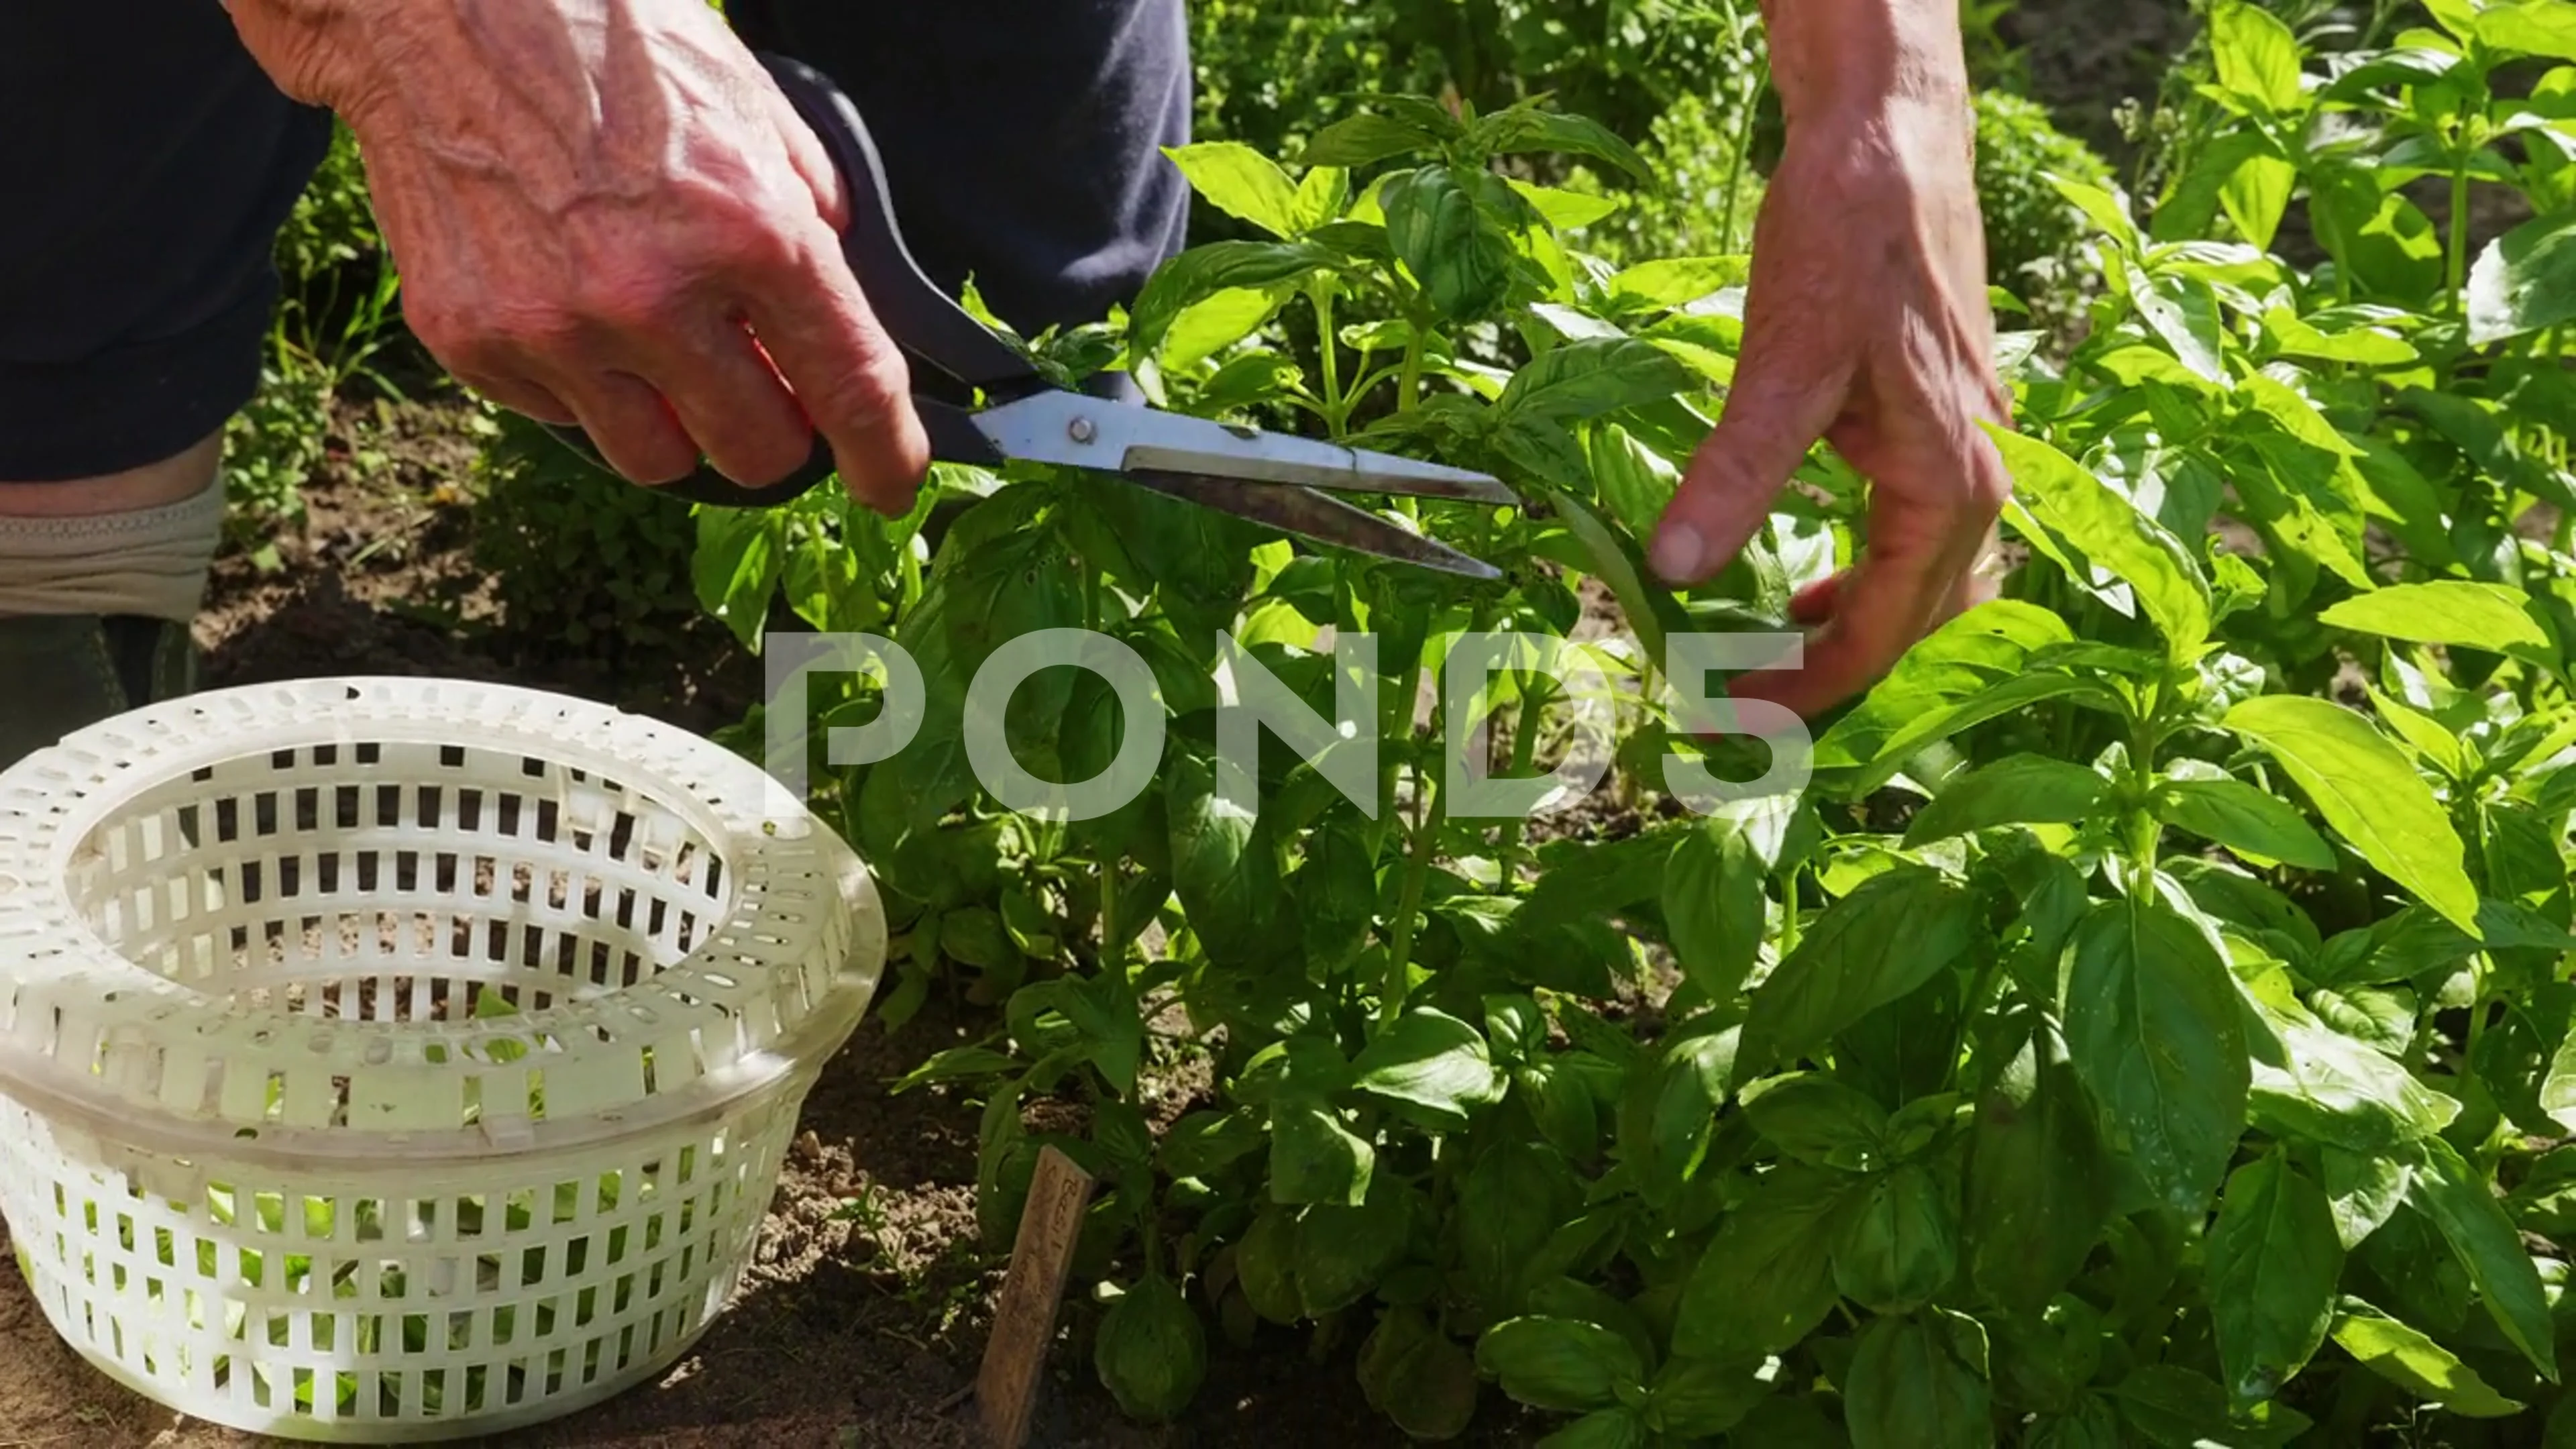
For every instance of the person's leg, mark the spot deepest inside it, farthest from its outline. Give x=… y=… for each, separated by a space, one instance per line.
x=1021 y=138
x=150 y=164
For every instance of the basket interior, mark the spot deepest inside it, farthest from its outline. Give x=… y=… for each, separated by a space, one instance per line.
x=398 y=881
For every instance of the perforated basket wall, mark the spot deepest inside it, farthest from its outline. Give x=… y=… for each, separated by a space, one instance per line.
x=388 y=1059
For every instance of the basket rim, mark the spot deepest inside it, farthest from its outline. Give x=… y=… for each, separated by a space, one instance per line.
x=52 y=801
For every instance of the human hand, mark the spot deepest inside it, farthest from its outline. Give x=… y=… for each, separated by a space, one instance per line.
x=1866 y=324
x=605 y=212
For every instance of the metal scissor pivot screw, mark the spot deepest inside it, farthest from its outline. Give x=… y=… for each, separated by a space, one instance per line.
x=1080 y=430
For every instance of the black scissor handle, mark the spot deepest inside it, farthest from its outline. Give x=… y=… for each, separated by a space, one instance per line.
x=930 y=327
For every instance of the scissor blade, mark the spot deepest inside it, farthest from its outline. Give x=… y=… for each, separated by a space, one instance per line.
x=1293 y=509
x=1074 y=431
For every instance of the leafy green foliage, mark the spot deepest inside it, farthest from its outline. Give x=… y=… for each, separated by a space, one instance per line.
x=2036 y=242
x=2145 y=1026
x=335 y=323
x=581 y=560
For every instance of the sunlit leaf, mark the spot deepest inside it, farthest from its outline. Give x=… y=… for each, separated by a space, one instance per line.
x=2369 y=792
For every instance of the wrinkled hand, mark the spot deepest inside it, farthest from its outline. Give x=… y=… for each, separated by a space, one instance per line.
x=605 y=212
x=1867 y=325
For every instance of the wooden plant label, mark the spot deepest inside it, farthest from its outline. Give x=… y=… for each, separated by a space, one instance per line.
x=1006 y=1391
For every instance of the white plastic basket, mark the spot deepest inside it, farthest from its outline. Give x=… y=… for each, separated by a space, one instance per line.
x=385 y=1060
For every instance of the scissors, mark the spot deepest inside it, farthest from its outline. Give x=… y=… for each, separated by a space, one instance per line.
x=1276 y=479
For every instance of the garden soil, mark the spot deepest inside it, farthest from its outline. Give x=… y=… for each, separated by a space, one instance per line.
x=865 y=1311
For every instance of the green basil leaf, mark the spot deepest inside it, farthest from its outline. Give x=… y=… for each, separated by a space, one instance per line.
x=2524 y=280
x=1432 y=1061
x=1335 y=890
x=1635 y=482
x=2363 y=345
x=1515 y=1029
x=1306 y=1065
x=2415 y=1363
x=1358 y=140
x=957 y=1064
x=1568 y=210
x=2445 y=611
x=1418 y=1376
x=1265 y=1263
x=2326 y=1086
x=1320 y=198
x=1361 y=240
x=1582 y=880
x=1212 y=324
x=1673 y=282
x=1618 y=561
x=1986 y=647
x=974 y=937
x=2488 y=437
x=1224 y=870
x=2383 y=239
x=2473 y=1222
x=2378 y=1017
x=735 y=567
x=1449 y=227
x=1206 y=1142
x=1668 y=1115
x=1103 y=1011
x=1150 y=1351
x=1909 y=1390
x=1900 y=1241
x=2185 y=313
x=1241 y=182
x=1202 y=272
x=1524 y=128
x=1704 y=342
x=1894 y=932
x=1714 y=906
x=1561 y=1101
x=1559 y=1363
x=2257 y=56
x=1602 y=1429
x=1818 y=1120
x=1563 y=1297
x=2257 y=193
x=2243 y=819
x=2529 y=27
x=1590 y=377
x=2363 y=1188
x=2306 y=498
x=2558 y=1086
x=1699 y=1398
x=2111 y=531
x=1512 y=1202
x=2367 y=790
x=1344 y=1249
x=2173 y=1407
x=2407 y=65
x=1314 y=1158
x=2038 y=1186
x=2107 y=211
x=2192 y=206
x=1767 y=1279
x=2094 y=1424
x=2015 y=790
x=2274 y=1261
x=2155 y=1032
